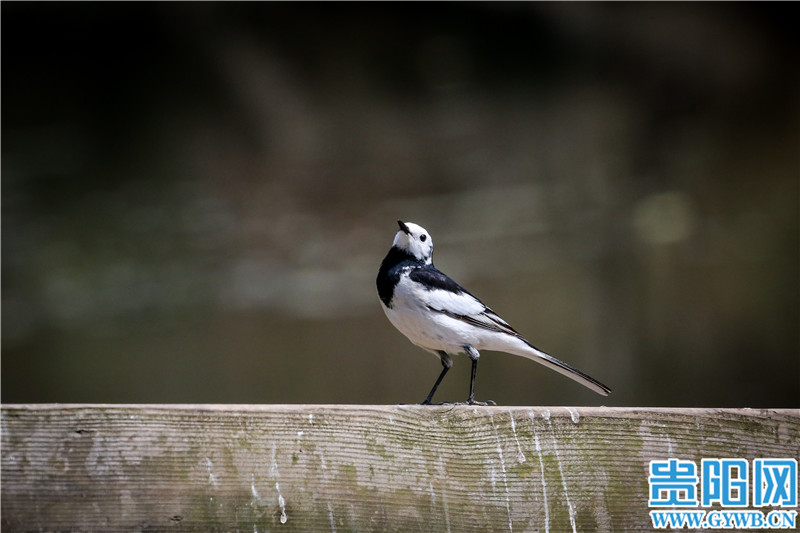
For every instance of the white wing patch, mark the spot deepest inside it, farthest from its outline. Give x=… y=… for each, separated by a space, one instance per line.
x=466 y=308
x=459 y=304
x=487 y=320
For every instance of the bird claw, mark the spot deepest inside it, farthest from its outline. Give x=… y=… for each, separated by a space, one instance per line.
x=471 y=402
x=487 y=402
x=468 y=402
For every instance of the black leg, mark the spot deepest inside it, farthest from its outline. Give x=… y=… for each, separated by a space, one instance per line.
x=471 y=398
x=474 y=355
x=447 y=362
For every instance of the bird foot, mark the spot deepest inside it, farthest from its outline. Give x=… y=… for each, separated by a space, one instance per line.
x=468 y=402
x=487 y=402
x=473 y=402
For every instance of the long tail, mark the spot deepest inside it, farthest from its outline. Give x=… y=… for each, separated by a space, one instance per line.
x=535 y=354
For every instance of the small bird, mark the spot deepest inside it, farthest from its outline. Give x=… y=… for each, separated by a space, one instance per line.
x=439 y=315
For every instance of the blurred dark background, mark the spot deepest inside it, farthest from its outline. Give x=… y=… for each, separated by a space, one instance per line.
x=196 y=198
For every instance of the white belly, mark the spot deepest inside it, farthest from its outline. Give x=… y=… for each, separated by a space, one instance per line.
x=424 y=327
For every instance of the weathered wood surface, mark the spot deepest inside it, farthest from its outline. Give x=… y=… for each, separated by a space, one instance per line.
x=357 y=468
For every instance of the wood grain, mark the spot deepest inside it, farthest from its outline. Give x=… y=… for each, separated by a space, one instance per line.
x=357 y=468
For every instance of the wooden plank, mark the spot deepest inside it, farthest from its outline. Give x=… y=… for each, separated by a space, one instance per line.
x=364 y=468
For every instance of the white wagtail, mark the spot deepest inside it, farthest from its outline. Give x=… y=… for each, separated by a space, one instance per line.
x=439 y=315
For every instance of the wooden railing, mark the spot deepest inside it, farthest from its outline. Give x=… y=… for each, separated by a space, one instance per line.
x=358 y=468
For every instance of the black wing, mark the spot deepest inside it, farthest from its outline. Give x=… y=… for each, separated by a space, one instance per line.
x=486 y=320
x=432 y=278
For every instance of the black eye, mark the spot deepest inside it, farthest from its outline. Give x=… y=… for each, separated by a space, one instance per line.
x=423 y=237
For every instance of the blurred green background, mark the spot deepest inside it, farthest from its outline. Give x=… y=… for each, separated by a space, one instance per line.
x=196 y=198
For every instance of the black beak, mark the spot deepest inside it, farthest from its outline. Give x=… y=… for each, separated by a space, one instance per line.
x=403 y=227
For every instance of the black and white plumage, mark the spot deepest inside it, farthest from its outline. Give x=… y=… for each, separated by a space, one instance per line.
x=439 y=315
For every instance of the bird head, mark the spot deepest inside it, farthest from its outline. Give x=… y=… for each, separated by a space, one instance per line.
x=414 y=240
